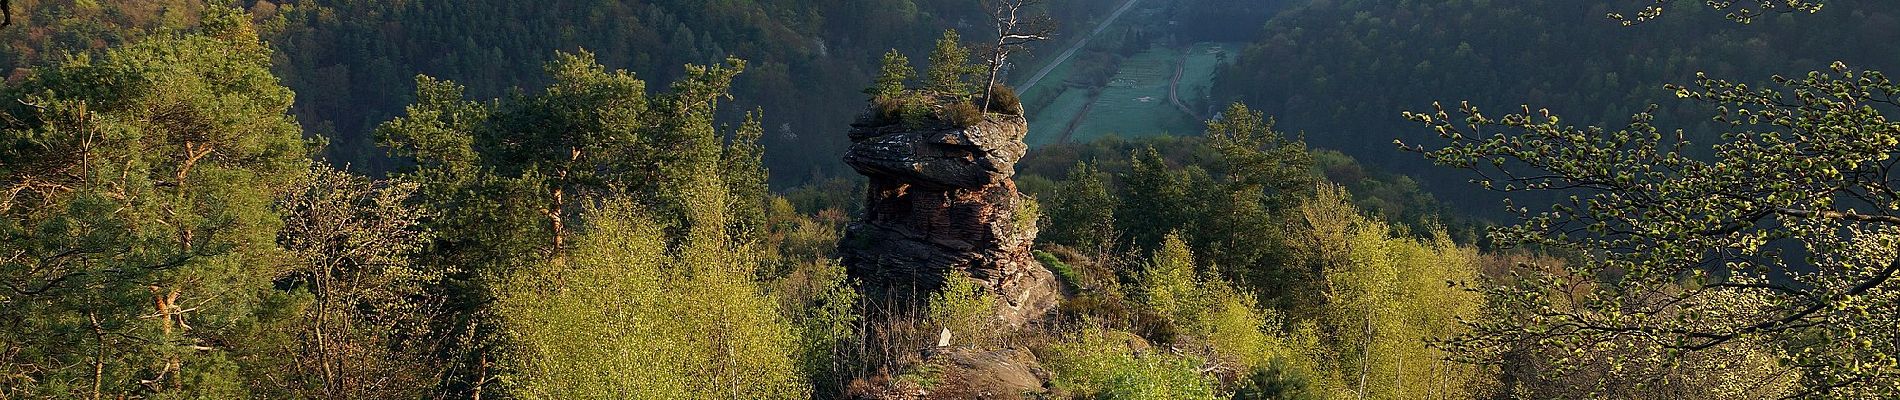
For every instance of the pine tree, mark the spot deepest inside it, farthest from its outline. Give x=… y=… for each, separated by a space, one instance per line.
x=949 y=67
x=511 y=180
x=1156 y=199
x=1082 y=211
x=138 y=229
x=893 y=77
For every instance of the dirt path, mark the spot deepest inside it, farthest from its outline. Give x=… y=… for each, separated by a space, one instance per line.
x=1077 y=120
x=1066 y=54
x=1174 y=87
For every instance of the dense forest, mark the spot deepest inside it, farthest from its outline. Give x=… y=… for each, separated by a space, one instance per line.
x=353 y=63
x=337 y=199
x=1339 y=70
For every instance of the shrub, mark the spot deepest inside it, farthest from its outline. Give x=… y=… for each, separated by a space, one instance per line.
x=617 y=319
x=1095 y=364
x=1276 y=381
x=1003 y=100
x=1096 y=308
x=1028 y=213
x=964 y=307
x=888 y=107
x=962 y=114
x=914 y=111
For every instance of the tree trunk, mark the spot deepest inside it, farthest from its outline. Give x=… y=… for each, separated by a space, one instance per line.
x=989 y=89
x=98 y=358
x=1365 y=354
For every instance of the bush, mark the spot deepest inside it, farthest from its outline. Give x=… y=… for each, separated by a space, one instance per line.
x=962 y=114
x=964 y=307
x=617 y=319
x=1003 y=100
x=1028 y=213
x=1276 y=381
x=914 y=111
x=1095 y=364
x=887 y=107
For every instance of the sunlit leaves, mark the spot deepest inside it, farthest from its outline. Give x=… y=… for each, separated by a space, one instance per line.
x=1740 y=11
x=1687 y=248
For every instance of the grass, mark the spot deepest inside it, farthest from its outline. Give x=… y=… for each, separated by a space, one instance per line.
x=1198 y=78
x=1046 y=125
x=1135 y=104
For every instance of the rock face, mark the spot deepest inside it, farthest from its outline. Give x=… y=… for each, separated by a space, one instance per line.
x=942 y=199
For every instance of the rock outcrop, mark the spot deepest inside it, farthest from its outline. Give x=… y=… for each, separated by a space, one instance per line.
x=942 y=199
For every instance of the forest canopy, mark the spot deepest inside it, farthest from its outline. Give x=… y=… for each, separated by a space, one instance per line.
x=331 y=199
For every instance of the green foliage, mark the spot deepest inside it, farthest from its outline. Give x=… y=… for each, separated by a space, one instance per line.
x=1386 y=298
x=1231 y=201
x=1214 y=314
x=893 y=76
x=950 y=68
x=1003 y=100
x=961 y=114
x=1063 y=270
x=138 y=226
x=924 y=376
x=1260 y=171
x=1744 y=13
x=365 y=333
x=509 y=180
x=964 y=307
x=1309 y=67
x=1154 y=199
x=1027 y=216
x=914 y=111
x=1168 y=284
x=1100 y=364
x=742 y=163
x=628 y=317
x=1691 y=254
x=1276 y=382
x=823 y=301
x=1082 y=210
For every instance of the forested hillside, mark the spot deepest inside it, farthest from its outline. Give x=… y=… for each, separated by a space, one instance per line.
x=1341 y=70
x=835 y=199
x=353 y=63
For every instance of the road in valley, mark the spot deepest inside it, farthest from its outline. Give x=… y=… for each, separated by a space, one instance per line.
x=1066 y=54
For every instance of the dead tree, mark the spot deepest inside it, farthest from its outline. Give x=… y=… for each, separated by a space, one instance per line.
x=1014 y=30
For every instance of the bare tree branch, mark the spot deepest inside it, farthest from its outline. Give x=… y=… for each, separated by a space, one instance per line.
x=1014 y=30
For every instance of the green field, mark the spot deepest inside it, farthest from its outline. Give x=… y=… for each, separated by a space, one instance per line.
x=1135 y=103
x=1197 y=81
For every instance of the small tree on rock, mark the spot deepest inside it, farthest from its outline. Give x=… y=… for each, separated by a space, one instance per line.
x=949 y=64
x=892 y=77
x=1014 y=31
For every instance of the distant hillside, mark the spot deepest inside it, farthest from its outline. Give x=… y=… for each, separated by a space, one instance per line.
x=353 y=62
x=1342 y=70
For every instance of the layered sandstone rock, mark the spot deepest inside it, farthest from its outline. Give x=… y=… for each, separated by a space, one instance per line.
x=942 y=199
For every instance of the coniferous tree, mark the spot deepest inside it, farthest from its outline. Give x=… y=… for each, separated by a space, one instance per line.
x=511 y=180
x=949 y=68
x=892 y=77
x=1082 y=211
x=1155 y=199
x=138 y=228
